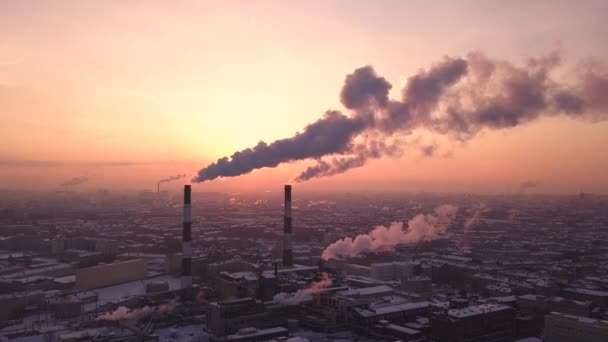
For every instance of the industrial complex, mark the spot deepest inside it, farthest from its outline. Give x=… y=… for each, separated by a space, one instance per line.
x=233 y=272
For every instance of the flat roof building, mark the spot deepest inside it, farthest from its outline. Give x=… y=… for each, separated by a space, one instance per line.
x=566 y=328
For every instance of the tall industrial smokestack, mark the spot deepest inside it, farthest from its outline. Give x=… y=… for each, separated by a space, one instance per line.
x=287 y=229
x=187 y=239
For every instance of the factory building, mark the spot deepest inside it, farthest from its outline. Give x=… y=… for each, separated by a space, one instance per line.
x=417 y=284
x=566 y=328
x=388 y=271
x=110 y=274
x=360 y=308
x=255 y=334
x=231 y=316
x=570 y=307
x=14 y=305
x=476 y=323
x=387 y=330
x=598 y=298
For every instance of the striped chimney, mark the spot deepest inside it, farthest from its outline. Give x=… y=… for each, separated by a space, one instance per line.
x=287 y=229
x=187 y=239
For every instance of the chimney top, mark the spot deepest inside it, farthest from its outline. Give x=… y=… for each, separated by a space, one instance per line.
x=187 y=194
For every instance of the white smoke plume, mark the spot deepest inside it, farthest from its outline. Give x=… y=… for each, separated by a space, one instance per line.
x=476 y=214
x=423 y=227
x=124 y=313
x=303 y=295
x=470 y=222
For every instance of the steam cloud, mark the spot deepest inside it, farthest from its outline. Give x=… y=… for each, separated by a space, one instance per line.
x=75 y=181
x=471 y=222
x=124 y=313
x=303 y=295
x=420 y=228
x=457 y=97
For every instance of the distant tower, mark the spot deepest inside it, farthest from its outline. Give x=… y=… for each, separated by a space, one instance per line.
x=287 y=229
x=187 y=239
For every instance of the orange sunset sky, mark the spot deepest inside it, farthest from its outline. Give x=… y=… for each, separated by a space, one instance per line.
x=129 y=92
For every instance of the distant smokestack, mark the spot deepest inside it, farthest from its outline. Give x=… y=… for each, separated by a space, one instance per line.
x=187 y=239
x=158 y=187
x=287 y=229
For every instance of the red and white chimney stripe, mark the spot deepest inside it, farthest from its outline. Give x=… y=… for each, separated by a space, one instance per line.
x=187 y=239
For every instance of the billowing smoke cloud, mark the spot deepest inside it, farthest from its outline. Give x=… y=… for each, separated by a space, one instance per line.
x=124 y=313
x=531 y=184
x=303 y=295
x=457 y=97
x=420 y=228
x=172 y=178
x=75 y=181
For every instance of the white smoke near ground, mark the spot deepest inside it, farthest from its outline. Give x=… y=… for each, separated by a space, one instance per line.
x=475 y=216
x=470 y=222
x=124 y=313
x=305 y=294
x=423 y=227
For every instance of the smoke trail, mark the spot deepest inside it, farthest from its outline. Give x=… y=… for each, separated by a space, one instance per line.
x=124 y=313
x=329 y=135
x=420 y=228
x=457 y=97
x=172 y=178
x=361 y=154
x=303 y=295
x=75 y=181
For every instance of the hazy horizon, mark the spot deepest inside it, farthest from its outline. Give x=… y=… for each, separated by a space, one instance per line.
x=120 y=95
